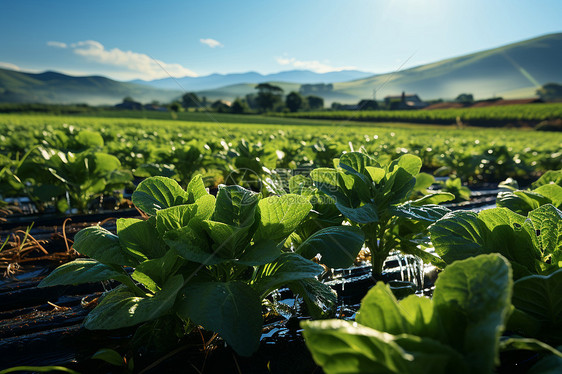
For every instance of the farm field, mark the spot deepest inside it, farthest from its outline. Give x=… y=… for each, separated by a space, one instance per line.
x=218 y=237
x=483 y=116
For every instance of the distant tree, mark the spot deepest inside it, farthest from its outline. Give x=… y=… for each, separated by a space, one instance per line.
x=550 y=92
x=129 y=104
x=368 y=105
x=294 y=101
x=269 y=96
x=220 y=106
x=175 y=107
x=315 y=102
x=239 y=106
x=251 y=101
x=465 y=98
x=190 y=100
x=336 y=106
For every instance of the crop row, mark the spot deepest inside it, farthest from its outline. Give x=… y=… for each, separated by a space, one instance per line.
x=483 y=116
x=71 y=161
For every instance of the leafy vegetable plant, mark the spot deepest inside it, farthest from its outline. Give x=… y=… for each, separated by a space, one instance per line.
x=83 y=175
x=454 y=186
x=376 y=199
x=197 y=260
x=532 y=244
x=457 y=331
x=546 y=190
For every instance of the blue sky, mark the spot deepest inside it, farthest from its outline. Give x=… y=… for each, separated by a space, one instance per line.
x=148 y=39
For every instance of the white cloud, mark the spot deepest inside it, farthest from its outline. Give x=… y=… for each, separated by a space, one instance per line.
x=211 y=43
x=133 y=64
x=314 y=65
x=56 y=44
x=8 y=65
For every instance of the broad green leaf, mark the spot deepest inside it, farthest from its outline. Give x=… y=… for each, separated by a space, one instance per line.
x=300 y=184
x=196 y=189
x=229 y=240
x=547 y=223
x=431 y=356
x=358 y=161
x=280 y=216
x=261 y=253
x=364 y=214
x=457 y=236
x=288 y=267
x=82 y=270
x=528 y=344
x=110 y=356
x=342 y=347
x=463 y=234
x=507 y=234
x=235 y=206
x=190 y=245
x=104 y=164
x=154 y=273
x=380 y=311
x=232 y=309
x=540 y=297
x=320 y=299
x=433 y=198
x=472 y=298
x=89 y=139
x=338 y=245
x=411 y=163
x=421 y=317
x=553 y=192
x=327 y=181
x=521 y=202
x=377 y=174
x=397 y=186
x=428 y=213
x=423 y=181
x=157 y=193
x=174 y=217
x=550 y=177
x=120 y=308
x=100 y=244
x=140 y=238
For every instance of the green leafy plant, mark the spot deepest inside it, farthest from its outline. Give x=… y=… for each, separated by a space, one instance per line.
x=546 y=190
x=454 y=186
x=197 y=260
x=532 y=244
x=375 y=198
x=457 y=331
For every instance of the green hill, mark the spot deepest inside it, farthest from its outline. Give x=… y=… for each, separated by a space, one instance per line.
x=512 y=71
x=56 y=88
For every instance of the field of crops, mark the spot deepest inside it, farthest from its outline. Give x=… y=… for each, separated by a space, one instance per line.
x=221 y=240
x=492 y=115
x=219 y=149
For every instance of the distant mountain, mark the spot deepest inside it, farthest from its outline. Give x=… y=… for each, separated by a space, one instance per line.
x=512 y=71
x=214 y=81
x=56 y=88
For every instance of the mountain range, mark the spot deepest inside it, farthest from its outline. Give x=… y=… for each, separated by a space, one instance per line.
x=511 y=71
x=215 y=81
